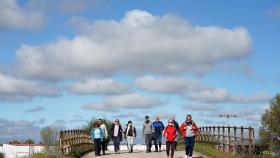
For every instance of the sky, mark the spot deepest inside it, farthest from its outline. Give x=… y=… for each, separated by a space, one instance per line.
x=65 y=62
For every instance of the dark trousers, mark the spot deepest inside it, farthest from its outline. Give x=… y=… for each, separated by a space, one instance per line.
x=189 y=144
x=97 y=144
x=116 y=141
x=148 y=142
x=155 y=140
x=170 y=146
x=103 y=146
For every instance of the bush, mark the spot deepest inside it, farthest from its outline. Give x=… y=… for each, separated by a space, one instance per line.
x=2 y=155
x=39 y=155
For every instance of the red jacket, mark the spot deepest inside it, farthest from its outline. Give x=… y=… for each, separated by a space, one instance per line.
x=183 y=129
x=170 y=133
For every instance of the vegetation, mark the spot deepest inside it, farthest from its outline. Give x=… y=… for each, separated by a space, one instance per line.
x=29 y=141
x=270 y=129
x=2 y=155
x=50 y=138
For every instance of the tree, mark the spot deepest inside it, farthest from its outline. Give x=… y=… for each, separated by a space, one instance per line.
x=50 y=139
x=108 y=124
x=270 y=129
x=29 y=141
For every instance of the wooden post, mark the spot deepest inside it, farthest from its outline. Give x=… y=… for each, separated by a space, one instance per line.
x=223 y=138
x=214 y=136
x=235 y=141
x=250 y=141
x=229 y=140
x=242 y=139
x=219 y=137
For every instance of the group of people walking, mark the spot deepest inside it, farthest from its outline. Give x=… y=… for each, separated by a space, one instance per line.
x=153 y=132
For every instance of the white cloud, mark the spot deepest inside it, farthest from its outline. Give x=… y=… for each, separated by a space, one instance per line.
x=201 y=107
x=217 y=95
x=13 y=15
x=170 y=84
x=94 y=86
x=128 y=101
x=12 y=89
x=138 y=43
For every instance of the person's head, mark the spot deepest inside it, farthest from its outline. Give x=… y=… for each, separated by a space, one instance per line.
x=173 y=119
x=147 y=118
x=170 y=122
x=99 y=121
x=129 y=123
x=96 y=124
x=117 y=121
x=189 y=118
x=157 y=118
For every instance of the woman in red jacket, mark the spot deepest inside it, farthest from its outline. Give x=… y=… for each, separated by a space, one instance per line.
x=170 y=133
x=189 y=130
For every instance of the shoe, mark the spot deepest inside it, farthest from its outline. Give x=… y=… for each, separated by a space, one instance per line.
x=159 y=149
x=190 y=157
x=186 y=156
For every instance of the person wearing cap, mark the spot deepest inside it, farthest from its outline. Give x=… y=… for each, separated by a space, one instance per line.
x=147 y=132
x=170 y=133
x=189 y=130
x=159 y=127
x=117 y=135
x=97 y=137
x=103 y=143
x=130 y=135
x=177 y=128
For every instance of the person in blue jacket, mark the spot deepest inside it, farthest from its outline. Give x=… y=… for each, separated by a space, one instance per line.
x=97 y=136
x=159 y=127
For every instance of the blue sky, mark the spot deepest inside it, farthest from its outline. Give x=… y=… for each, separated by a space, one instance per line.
x=65 y=62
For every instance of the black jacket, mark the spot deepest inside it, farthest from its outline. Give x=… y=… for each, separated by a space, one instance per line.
x=119 y=133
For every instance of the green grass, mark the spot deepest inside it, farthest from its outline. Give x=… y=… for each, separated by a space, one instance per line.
x=215 y=153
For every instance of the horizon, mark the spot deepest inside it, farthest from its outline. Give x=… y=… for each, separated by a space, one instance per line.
x=63 y=63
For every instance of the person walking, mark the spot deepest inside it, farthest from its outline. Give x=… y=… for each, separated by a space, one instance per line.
x=103 y=143
x=177 y=128
x=117 y=135
x=170 y=133
x=97 y=137
x=147 y=132
x=130 y=135
x=159 y=127
x=189 y=130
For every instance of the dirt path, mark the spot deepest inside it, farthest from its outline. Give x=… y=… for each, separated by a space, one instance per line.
x=142 y=154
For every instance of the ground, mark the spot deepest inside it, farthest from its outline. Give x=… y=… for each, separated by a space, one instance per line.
x=142 y=154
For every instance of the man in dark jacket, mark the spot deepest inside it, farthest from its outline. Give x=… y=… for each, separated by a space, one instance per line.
x=117 y=135
x=159 y=127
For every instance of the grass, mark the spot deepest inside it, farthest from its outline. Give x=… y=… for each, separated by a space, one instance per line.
x=215 y=153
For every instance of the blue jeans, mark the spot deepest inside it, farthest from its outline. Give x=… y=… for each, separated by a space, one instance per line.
x=189 y=144
x=157 y=140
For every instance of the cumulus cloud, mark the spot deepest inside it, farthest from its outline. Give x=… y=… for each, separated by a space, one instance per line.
x=217 y=95
x=13 y=89
x=12 y=15
x=128 y=101
x=138 y=43
x=20 y=130
x=170 y=84
x=200 y=107
x=94 y=86
x=35 y=109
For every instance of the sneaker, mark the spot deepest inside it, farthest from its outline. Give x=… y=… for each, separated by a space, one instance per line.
x=159 y=149
x=186 y=156
x=190 y=157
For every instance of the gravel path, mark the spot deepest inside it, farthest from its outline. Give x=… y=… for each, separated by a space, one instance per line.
x=142 y=154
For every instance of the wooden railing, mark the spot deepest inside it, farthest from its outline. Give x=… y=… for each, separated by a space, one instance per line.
x=228 y=139
x=75 y=141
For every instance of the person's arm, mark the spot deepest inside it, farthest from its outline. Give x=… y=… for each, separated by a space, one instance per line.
x=143 y=128
x=105 y=131
x=182 y=127
x=92 y=134
x=101 y=134
x=135 y=131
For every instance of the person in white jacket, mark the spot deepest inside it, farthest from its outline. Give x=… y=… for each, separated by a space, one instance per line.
x=103 y=143
x=130 y=135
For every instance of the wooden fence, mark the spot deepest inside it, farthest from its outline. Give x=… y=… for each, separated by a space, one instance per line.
x=228 y=139
x=75 y=141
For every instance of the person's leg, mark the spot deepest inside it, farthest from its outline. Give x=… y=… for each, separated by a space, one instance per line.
x=103 y=144
x=147 y=142
x=99 y=146
x=160 y=141
x=167 y=148
x=186 y=146
x=191 y=146
x=115 y=143
x=155 y=139
x=118 y=143
x=172 y=146
x=150 y=141
x=128 y=143
x=96 y=147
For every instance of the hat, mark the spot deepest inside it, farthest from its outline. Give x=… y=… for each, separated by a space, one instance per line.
x=117 y=120
x=146 y=117
x=129 y=122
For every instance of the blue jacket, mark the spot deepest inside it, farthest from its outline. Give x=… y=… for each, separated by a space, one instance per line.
x=93 y=136
x=159 y=127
